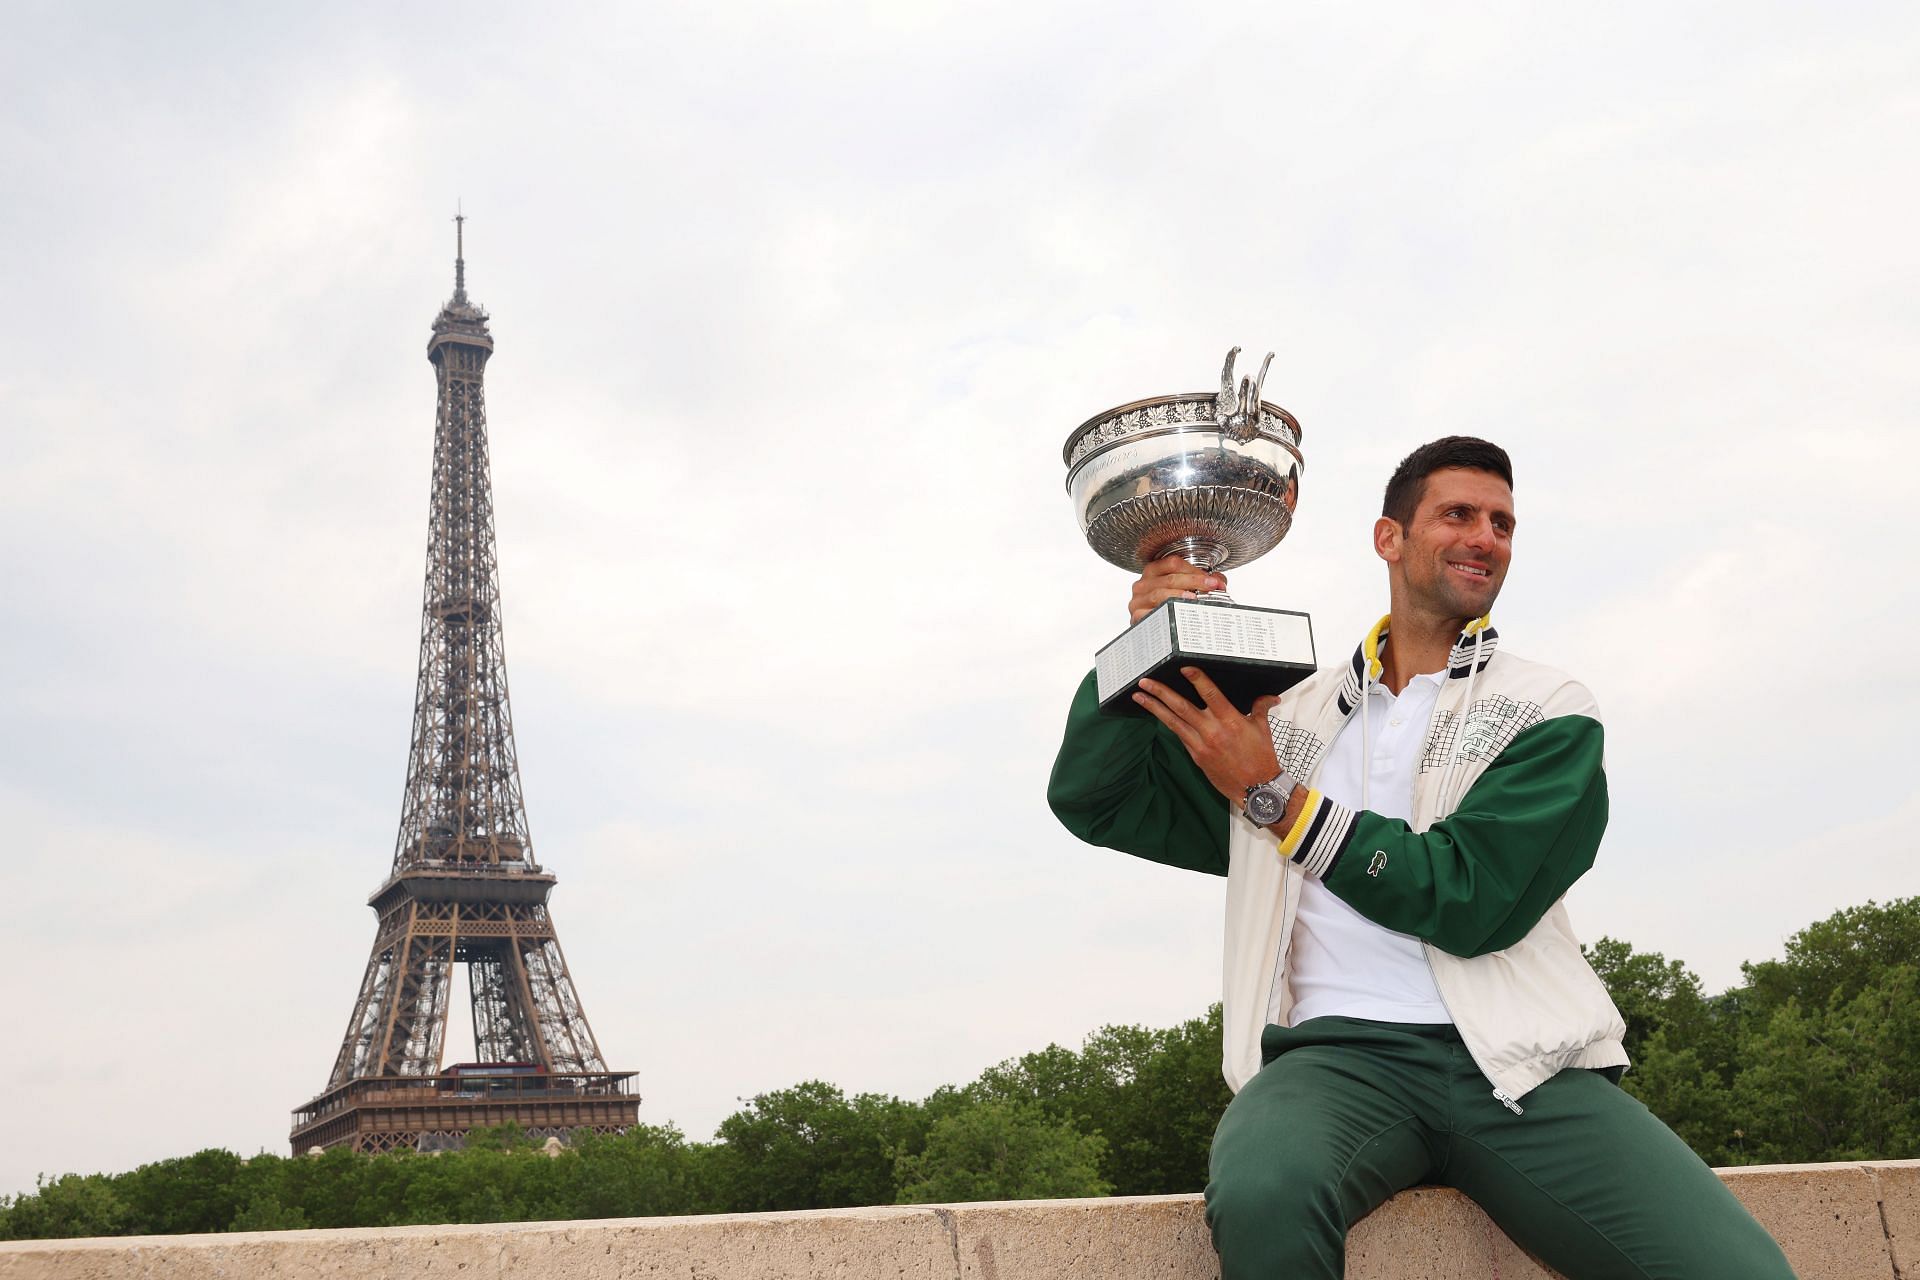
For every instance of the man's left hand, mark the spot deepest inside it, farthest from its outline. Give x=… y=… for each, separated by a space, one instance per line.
x=1234 y=751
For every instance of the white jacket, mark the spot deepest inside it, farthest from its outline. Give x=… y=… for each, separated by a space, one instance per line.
x=1499 y=813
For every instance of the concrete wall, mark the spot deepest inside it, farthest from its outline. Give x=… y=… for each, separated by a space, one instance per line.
x=1835 y=1221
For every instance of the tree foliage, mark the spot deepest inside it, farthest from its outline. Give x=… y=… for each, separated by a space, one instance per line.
x=1001 y=1151
x=1840 y=956
x=1815 y=1056
x=1154 y=1097
x=1811 y=1058
x=811 y=1145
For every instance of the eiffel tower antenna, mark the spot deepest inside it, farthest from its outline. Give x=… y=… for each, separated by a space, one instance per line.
x=459 y=254
x=464 y=888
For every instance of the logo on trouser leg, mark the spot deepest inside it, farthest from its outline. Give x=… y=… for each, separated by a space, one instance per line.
x=1379 y=862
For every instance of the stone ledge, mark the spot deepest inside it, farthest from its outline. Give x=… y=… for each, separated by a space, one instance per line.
x=1835 y=1222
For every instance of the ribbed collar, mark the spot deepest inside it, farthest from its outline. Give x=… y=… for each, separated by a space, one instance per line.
x=1365 y=667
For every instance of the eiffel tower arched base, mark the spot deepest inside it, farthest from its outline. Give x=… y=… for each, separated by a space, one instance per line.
x=427 y=1113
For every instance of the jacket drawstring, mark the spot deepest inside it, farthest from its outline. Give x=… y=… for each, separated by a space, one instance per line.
x=1366 y=735
x=1369 y=664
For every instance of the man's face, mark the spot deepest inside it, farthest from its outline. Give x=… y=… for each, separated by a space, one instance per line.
x=1453 y=555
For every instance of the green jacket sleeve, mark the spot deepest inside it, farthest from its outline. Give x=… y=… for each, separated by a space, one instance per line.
x=1126 y=783
x=1481 y=878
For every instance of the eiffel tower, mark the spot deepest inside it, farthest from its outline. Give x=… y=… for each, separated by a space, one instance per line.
x=464 y=888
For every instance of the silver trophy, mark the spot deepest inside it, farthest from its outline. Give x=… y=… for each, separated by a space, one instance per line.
x=1213 y=477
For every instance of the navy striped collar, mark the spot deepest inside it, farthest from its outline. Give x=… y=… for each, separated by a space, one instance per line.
x=1364 y=667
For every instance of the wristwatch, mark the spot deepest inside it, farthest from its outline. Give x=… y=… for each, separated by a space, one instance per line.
x=1266 y=802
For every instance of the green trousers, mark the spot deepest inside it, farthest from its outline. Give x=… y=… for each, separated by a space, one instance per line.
x=1347 y=1112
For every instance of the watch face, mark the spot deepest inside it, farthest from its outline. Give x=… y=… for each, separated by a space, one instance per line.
x=1264 y=805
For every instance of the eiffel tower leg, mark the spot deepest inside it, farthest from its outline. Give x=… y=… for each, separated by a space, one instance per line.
x=500 y=1032
x=399 y=1021
x=551 y=995
x=417 y=1020
x=352 y=1058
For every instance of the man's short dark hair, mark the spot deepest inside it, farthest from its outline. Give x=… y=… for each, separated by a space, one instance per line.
x=1409 y=483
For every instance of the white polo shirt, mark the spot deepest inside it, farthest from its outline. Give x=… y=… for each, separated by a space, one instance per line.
x=1343 y=963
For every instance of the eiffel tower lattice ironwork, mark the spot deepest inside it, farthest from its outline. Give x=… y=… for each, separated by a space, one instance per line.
x=465 y=888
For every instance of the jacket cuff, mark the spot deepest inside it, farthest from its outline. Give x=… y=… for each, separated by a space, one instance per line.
x=1319 y=835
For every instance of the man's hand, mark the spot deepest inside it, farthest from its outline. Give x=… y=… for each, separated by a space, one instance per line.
x=1170 y=578
x=1234 y=751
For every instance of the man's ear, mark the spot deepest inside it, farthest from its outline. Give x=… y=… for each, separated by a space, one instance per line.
x=1387 y=534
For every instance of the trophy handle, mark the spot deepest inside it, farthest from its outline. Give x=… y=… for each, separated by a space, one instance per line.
x=1225 y=403
x=1253 y=405
x=1238 y=414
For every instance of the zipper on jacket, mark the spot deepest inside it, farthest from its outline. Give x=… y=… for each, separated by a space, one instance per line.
x=1500 y=1095
x=1286 y=890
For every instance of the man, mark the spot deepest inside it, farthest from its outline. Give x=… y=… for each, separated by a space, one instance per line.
x=1405 y=1000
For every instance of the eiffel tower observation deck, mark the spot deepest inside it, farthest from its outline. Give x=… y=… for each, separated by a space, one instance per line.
x=464 y=888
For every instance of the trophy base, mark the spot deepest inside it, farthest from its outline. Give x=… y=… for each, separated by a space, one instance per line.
x=1247 y=651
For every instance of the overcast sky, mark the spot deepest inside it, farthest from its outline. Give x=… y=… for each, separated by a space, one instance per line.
x=795 y=305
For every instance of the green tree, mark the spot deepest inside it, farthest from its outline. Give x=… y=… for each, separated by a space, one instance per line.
x=267 y=1213
x=1654 y=994
x=1838 y=1082
x=1692 y=1098
x=261 y=1191
x=501 y=1175
x=1841 y=954
x=70 y=1205
x=1808 y=1060
x=1154 y=1096
x=1178 y=1095
x=1002 y=1151
x=811 y=1147
x=650 y=1171
x=329 y=1189
x=188 y=1194
x=375 y=1188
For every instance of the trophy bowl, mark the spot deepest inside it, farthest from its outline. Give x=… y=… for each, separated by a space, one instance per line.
x=1213 y=477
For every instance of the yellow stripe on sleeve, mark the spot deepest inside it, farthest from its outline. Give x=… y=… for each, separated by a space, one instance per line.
x=1290 y=843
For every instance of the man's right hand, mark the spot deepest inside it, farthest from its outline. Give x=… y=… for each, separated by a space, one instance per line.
x=1170 y=578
